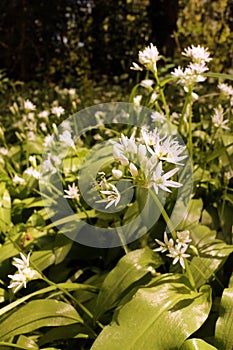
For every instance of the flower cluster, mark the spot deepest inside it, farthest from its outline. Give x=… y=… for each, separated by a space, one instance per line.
x=176 y=250
x=193 y=73
x=145 y=160
x=25 y=273
x=148 y=58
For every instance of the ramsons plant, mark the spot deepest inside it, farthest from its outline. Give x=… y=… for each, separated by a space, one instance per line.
x=171 y=288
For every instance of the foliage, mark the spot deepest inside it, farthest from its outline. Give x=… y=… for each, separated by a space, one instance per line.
x=169 y=288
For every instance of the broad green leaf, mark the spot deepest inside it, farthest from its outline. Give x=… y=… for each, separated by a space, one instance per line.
x=68 y=286
x=213 y=253
x=43 y=258
x=224 y=325
x=196 y=344
x=158 y=317
x=36 y=314
x=193 y=215
x=64 y=332
x=5 y=345
x=27 y=343
x=130 y=269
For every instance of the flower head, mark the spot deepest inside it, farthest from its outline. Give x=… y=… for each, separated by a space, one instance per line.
x=161 y=180
x=197 y=53
x=72 y=192
x=148 y=57
x=29 y=106
x=25 y=273
x=113 y=196
x=217 y=118
x=58 y=111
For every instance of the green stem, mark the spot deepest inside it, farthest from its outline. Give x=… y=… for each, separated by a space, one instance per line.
x=189 y=274
x=165 y=105
x=164 y=214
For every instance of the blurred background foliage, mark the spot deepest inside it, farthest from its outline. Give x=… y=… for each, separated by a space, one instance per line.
x=70 y=41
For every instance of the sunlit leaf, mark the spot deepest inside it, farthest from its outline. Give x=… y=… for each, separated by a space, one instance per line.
x=159 y=317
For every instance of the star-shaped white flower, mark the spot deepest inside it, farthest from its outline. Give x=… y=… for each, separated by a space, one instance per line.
x=72 y=192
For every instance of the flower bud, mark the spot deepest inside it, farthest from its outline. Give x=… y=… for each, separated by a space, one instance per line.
x=133 y=170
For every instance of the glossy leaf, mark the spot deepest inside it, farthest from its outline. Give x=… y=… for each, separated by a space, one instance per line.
x=224 y=325
x=196 y=344
x=158 y=317
x=69 y=286
x=213 y=253
x=131 y=268
x=36 y=314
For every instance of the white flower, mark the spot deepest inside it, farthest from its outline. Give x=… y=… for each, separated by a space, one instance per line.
x=66 y=125
x=29 y=106
x=137 y=100
x=58 y=111
x=183 y=238
x=122 y=149
x=18 y=180
x=18 y=280
x=153 y=97
x=226 y=89
x=171 y=150
x=135 y=66
x=72 y=92
x=33 y=172
x=178 y=254
x=48 y=141
x=147 y=83
x=217 y=118
x=43 y=126
x=43 y=114
x=25 y=273
x=148 y=57
x=117 y=173
x=31 y=136
x=133 y=170
x=22 y=263
x=113 y=196
x=190 y=75
x=66 y=138
x=168 y=244
x=72 y=192
x=3 y=151
x=120 y=157
x=161 y=181
x=157 y=116
x=198 y=54
x=51 y=163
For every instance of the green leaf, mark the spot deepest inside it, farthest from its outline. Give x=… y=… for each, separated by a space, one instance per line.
x=213 y=253
x=27 y=343
x=36 y=314
x=130 y=269
x=68 y=286
x=196 y=344
x=193 y=215
x=224 y=325
x=157 y=317
x=219 y=75
x=64 y=332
